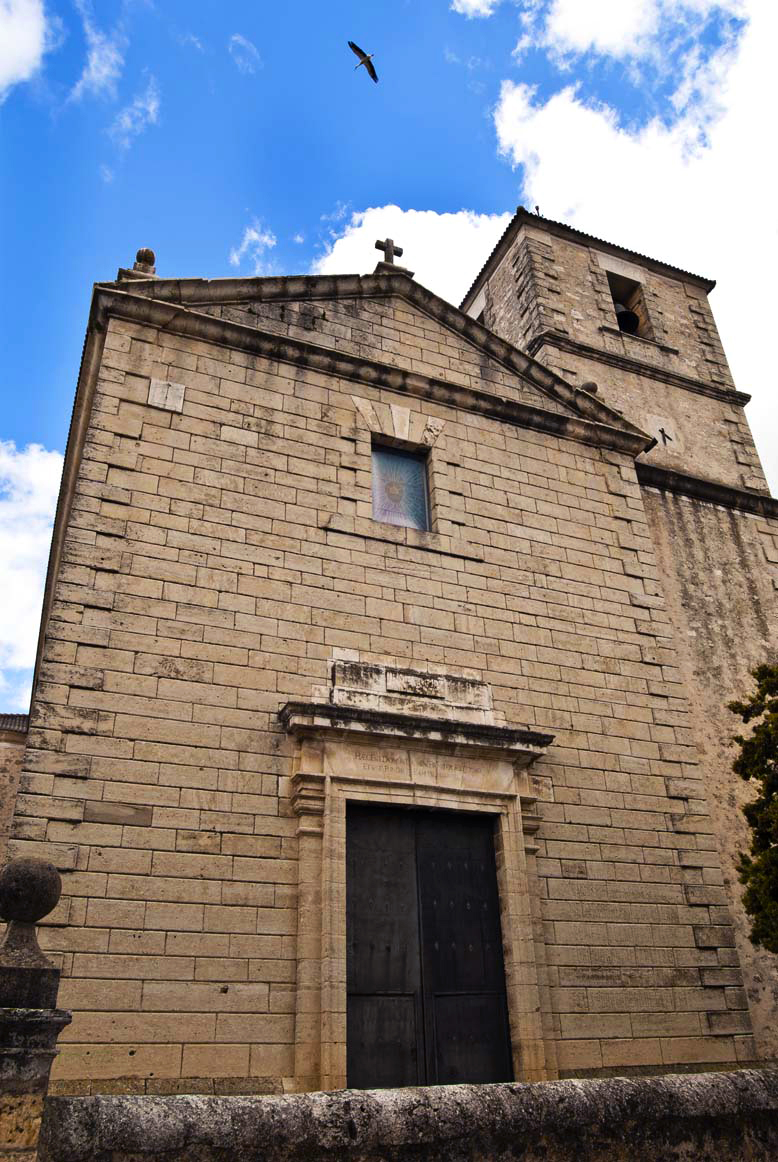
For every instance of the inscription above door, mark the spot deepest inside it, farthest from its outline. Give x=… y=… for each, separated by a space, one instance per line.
x=425 y=975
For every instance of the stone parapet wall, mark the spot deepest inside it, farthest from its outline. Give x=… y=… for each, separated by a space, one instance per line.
x=711 y=1118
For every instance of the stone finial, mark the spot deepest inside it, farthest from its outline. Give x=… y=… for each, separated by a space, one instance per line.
x=591 y=387
x=30 y=1022
x=29 y=890
x=145 y=261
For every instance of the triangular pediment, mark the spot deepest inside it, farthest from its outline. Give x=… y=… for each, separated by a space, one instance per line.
x=387 y=319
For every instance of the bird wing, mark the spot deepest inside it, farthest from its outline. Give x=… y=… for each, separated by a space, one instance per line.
x=355 y=48
x=371 y=70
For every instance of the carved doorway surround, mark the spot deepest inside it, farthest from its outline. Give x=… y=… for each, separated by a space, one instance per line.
x=416 y=739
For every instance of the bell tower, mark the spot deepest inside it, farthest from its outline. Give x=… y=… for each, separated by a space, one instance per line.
x=638 y=332
x=641 y=335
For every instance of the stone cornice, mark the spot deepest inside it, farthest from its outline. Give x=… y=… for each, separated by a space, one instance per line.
x=711 y=491
x=180 y=320
x=198 y=292
x=91 y=358
x=522 y=744
x=636 y=366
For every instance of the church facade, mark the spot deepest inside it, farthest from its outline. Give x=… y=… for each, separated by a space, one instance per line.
x=378 y=727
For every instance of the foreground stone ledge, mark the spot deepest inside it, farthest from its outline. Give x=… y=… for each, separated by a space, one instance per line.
x=705 y=1117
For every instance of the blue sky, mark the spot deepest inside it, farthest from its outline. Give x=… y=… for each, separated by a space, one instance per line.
x=237 y=137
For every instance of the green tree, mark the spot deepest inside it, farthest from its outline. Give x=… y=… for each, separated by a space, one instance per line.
x=757 y=762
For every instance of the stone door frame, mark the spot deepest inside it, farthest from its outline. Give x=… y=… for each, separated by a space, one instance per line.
x=335 y=766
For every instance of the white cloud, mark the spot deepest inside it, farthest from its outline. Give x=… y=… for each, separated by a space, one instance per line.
x=618 y=28
x=136 y=117
x=697 y=192
x=611 y=26
x=244 y=53
x=25 y=36
x=444 y=250
x=29 y=482
x=338 y=214
x=254 y=244
x=299 y=239
x=473 y=8
x=104 y=58
x=189 y=40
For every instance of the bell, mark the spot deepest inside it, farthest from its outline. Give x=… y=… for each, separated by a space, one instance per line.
x=627 y=319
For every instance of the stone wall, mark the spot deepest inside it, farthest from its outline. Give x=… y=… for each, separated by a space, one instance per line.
x=720 y=578
x=711 y=1118
x=11 y=754
x=220 y=555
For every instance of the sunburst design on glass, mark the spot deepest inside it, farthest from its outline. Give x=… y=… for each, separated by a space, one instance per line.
x=400 y=488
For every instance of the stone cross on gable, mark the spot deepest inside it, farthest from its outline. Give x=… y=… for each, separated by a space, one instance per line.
x=389 y=249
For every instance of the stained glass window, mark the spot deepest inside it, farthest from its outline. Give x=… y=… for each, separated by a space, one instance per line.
x=400 y=488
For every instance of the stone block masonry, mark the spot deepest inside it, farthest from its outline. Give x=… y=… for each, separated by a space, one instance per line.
x=711 y=520
x=13 y=733
x=216 y=561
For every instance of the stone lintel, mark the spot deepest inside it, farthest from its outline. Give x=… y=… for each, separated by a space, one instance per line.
x=520 y=743
x=698 y=488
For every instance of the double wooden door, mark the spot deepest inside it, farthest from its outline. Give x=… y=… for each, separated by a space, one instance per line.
x=426 y=983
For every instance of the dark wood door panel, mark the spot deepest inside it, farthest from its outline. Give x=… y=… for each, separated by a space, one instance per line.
x=471 y=1039
x=426 y=984
x=381 y=1049
x=382 y=923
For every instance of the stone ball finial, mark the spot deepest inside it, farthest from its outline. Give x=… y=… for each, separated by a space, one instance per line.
x=146 y=256
x=591 y=387
x=29 y=890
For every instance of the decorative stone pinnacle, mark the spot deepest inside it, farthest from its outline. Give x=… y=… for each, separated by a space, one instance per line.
x=145 y=261
x=29 y=890
x=30 y=1021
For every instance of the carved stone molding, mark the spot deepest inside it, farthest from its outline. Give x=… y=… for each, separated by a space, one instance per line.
x=458 y=760
x=522 y=745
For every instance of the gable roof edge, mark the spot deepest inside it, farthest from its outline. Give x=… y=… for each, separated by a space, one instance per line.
x=372 y=373
x=193 y=292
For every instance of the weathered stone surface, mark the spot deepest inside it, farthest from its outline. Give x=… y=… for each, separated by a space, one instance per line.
x=708 y=1118
x=29 y=889
x=214 y=563
x=13 y=733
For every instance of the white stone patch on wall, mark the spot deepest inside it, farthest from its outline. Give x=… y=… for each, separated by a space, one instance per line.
x=666 y=433
x=165 y=394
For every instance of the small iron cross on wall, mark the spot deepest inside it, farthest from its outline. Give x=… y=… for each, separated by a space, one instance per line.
x=389 y=249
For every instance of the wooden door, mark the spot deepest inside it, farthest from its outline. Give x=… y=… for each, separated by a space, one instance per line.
x=425 y=976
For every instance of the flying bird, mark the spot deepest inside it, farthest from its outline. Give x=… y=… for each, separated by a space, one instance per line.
x=365 y=58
